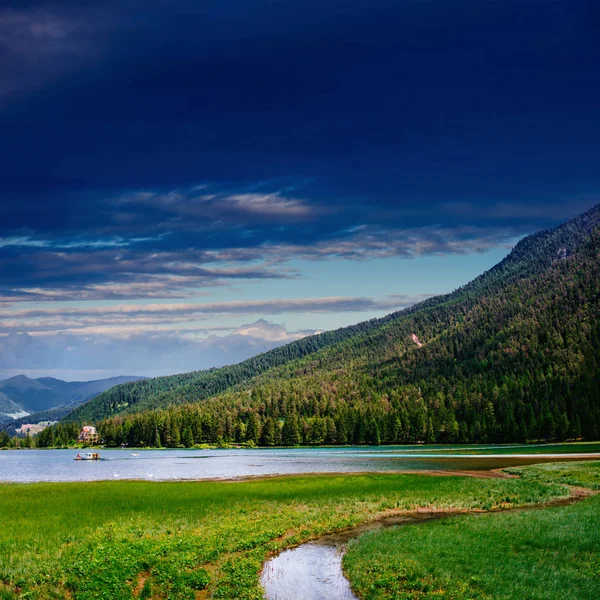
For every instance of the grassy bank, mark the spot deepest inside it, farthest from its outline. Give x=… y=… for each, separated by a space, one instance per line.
x=547 y=554
x=583 y=474
x=132 y=539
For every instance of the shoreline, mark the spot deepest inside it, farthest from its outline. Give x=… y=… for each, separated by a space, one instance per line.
x=365 y=447
x=493 y=473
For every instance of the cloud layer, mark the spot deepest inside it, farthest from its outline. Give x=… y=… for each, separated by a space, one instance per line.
x=183 y=317
x=172 y=244
x=75 y=357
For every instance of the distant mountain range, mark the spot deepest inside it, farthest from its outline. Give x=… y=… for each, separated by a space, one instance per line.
x=513 y=355
x=22 y=397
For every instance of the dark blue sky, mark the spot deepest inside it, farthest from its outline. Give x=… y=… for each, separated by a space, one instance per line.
x=226 y=151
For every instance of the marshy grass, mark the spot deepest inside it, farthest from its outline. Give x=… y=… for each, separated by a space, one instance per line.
x=547 y=554
x=185 y=540
x=583 y=474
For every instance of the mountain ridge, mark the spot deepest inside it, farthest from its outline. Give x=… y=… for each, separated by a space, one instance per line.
x=48 y=393
x=530 y=256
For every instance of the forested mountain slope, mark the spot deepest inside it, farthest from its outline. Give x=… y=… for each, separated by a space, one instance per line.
x=518 y=365
x=532 y=255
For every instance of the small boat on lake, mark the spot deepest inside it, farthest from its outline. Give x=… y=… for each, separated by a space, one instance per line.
x=88 y=456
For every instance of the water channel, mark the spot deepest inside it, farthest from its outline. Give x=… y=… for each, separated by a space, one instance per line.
x=313 y=571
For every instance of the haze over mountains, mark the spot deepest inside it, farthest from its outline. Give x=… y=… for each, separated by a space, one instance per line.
x=21 y=396
x=513 y=355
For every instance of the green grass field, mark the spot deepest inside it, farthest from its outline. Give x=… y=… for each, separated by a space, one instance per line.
x=583 y=474
x=132 y=539
x=547 y=554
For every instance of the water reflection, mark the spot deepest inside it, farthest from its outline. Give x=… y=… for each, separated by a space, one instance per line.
x=309 y=572
x=313 y=571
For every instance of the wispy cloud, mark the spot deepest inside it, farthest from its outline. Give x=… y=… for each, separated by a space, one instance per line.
x=182 y=317
x=368 y=242
x=171 y=244
x=118 y=273
x=26 y=241
x=210 y=204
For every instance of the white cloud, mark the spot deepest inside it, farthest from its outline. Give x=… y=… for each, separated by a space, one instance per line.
x=217 y=207
x=271 y=332
x=75 y=357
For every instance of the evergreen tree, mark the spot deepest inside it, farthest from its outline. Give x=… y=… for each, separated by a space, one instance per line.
x=187 y=438
x=290 y=435
x=268 y=432
x=253 y=429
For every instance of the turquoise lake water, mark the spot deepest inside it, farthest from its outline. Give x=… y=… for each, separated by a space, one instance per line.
x=58 y=465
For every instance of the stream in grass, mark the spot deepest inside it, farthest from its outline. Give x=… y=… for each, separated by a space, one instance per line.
x=313 y=571
x=161 y=465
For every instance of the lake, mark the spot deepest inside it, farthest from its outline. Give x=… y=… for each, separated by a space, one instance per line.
x=162 y=465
